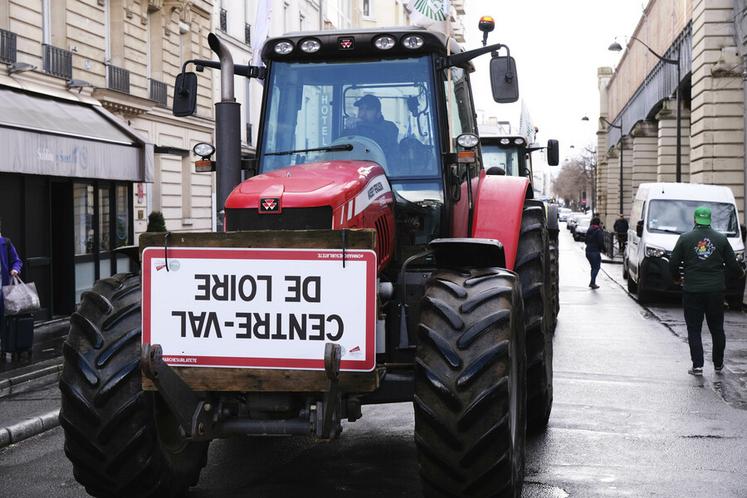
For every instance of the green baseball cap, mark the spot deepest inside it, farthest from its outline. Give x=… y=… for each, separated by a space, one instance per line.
x=703 y=215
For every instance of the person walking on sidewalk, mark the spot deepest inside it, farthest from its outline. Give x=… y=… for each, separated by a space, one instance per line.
x=704 y=253
x=621 y=231
x=594 y=249
x=10 y=266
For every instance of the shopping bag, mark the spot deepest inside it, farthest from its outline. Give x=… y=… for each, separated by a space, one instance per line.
x=20 y=297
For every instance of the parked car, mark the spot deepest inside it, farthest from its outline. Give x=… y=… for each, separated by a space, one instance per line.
x=570 y=222
x=660 y=213
x=582 y=225
x=563 y=213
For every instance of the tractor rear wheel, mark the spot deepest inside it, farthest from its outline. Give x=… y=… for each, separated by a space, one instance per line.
x=121 y=440
x=532 y=259
x=470 y=385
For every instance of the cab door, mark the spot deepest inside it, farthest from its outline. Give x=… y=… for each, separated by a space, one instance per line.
x=461 y=119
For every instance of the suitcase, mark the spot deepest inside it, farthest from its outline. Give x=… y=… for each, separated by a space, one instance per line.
x=17 y=335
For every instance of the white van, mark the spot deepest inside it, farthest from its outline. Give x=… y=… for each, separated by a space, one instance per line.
x=660 y=213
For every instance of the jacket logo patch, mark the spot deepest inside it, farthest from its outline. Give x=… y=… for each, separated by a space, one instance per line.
x=704 y=248
x=269 y=205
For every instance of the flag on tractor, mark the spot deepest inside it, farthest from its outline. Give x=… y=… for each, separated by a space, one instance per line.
x=261 y=30
x=430 y=14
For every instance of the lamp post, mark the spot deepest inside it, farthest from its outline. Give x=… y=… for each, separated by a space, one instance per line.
x=615 y=47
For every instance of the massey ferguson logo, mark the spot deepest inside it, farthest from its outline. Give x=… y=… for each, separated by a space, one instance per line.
x=346 y=43
x=269 y=205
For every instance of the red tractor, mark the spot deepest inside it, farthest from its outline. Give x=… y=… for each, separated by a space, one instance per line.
x=512 y=155
x=368 y=257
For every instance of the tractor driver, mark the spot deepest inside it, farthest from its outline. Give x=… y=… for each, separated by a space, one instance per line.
x=371 y=124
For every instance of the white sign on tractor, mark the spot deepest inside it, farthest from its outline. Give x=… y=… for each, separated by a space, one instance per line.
x=260 y=308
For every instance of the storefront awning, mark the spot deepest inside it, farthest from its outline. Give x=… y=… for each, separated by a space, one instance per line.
x=43 y=136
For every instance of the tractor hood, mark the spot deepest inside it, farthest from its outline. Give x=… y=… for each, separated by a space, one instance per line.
x=329 y=183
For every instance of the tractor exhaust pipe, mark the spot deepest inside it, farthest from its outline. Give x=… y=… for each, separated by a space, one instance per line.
x=227 y=132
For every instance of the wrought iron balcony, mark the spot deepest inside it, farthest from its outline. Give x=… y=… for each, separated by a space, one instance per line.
x=57 y=61
x=247 y=33
x=117 y=79
x=7 y=47
x=158 y=92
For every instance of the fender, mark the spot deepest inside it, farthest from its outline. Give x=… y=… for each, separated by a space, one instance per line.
x=498 y=212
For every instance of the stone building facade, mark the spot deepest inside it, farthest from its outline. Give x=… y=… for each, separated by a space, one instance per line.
x=85 y=92
x=639 y=97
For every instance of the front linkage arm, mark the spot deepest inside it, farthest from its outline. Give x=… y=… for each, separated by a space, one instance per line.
x=196 y=416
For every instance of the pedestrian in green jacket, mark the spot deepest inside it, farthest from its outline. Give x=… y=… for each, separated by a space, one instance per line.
x=705 y=255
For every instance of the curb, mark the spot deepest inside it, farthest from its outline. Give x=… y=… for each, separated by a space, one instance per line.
x=28 y=428
x=14 y=385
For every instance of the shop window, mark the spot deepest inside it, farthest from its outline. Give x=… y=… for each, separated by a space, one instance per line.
x=83 y=215
x=122 y=230
x=102 y=222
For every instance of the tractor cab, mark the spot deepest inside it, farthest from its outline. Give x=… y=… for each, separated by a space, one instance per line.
x=512 y=155
x=343 y=109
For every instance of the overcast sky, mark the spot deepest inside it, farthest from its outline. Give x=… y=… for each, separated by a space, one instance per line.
x=558 y=46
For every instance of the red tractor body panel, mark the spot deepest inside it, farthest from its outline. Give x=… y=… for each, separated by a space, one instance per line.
x=498 y=210
x=357 y=191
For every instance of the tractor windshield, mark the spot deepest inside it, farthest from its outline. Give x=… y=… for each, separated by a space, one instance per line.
x=506 y=158
x=323 y=111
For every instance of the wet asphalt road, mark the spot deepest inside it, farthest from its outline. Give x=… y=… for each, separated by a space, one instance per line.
x=627 y=421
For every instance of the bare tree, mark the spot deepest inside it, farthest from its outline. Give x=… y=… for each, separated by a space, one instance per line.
x=574 y=182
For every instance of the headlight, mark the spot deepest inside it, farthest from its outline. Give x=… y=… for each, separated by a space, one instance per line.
x=655 y=252
x=283 y=47
x=413 y=42
x=384 y=42
x=310 y=46
x=740 y=256
x=203 y=149
x=468 y=140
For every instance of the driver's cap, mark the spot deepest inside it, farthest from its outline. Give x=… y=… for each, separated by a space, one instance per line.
x=369 y=101
x=702 y=215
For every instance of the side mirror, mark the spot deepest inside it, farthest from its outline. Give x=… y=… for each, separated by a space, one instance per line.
x=639 y=228
x=504 y=80
x=185 y=94
x=553 y=152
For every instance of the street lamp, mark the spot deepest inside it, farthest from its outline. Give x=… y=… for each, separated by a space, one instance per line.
x=622 y=147
x=615 y=47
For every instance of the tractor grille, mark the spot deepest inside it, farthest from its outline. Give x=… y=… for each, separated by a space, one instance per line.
x=289 y=219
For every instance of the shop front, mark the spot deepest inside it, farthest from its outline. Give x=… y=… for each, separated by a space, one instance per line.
x=66 y=196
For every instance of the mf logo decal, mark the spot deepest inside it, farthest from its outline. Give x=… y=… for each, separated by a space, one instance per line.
x=269 y=205
x=346 y=43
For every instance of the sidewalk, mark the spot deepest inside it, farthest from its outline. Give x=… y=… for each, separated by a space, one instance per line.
x=668 y=311
x=29 y=397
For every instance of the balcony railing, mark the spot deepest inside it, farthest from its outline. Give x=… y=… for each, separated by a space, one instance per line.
x=158 y=92
x=7 y=47
x=118 y=79
x=58 y=61
x=249 y=133
x=223 y=20
x=247 y=33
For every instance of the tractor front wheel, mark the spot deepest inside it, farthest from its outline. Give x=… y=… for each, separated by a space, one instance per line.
x=121 y=440
x=470 y=396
